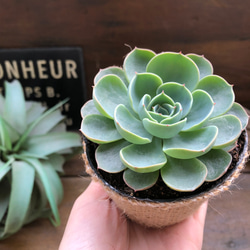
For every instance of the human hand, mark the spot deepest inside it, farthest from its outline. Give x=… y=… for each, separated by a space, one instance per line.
x=96 y=223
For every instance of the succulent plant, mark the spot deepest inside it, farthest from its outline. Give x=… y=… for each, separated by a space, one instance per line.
x=163 y=114
x=33 y=142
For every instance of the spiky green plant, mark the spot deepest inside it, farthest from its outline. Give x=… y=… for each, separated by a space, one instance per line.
x=33 y=142
x=164 y=114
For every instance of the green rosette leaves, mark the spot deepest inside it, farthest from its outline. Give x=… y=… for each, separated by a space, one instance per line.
x=177 y=117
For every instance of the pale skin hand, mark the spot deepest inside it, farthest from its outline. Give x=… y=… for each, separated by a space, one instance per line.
x=95 y=223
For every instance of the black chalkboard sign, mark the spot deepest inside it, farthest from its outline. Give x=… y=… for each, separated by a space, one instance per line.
x=48 y=75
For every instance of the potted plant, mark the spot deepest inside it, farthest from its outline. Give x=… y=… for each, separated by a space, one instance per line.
x=163 y=132
x=33 y=146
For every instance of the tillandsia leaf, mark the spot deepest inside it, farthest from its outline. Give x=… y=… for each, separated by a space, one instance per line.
x=46 y=124
x=113 y=70
x=54 y=179
x=140 y=181
x=163 y=131
x=144 y=158
x=27 y=132
x=109 y=92
x=99 y=129
x=105 y=152
x=34 y=110
x=5 y=139
x=129 y=127
x=5 y=167
x=205 y=66
x=48 y=187
x=12 y=133
x=239 y=112
x=191 y=144
x=201 y=110
x=229 y=130
x=184 y=175
x=14 y=108
x=56 y=141
x=217 y=162
x=57 y=161
x=215 y=85
x=89 y=108
x=136 y=62
x=23 y=176
x=168 y=66
x=141 y=84
x=178 y=93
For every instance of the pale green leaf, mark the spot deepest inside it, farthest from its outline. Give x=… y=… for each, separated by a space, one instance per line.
x=191 y=144
x=89 y=108
x=99 y=129
x=23 y=176
x=129 y=127
x=175 y=67
x=144 y=158
x=220 y=91
x=140 y=181
x=113 y=70
x=108 y=156
x=34 y=110
x=184 y=175
x=136 y=62
x=217 y=162
x=14 y=108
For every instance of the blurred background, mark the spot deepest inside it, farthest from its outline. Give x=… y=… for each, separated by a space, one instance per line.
x=104 y=29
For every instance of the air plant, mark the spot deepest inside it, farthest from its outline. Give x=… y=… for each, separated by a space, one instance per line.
x=164 y=115
x=33 y=145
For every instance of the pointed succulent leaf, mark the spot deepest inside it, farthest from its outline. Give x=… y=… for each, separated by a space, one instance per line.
x=191 y=144
x=205 y=66
x=220 y=91
x=129 y=127
x=144 y=158
x=48 y=189
x=23 y=176
x=136 y=62
x=217 y=162
x=239 y=112
x=141 y=84
x=106 y=152
x=14 y=108
x=175 y=117
x=34 y=110
x=163 y=130
x=5 y=139
x=201 y=110
x=109 y=92
x=229 y=129
x=142 y=108
x=46 y=124
x=140 y=181
x=57 y=141
x=184 y=175
x=89 y=108
x=113 y=70
x=178 y=93
x=99 y=129
x=175 y=67
x=160 y=99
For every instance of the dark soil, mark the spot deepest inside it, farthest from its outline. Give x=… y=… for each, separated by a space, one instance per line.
x=160 y=191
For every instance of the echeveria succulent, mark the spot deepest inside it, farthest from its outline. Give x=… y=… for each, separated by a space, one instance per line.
x=33 y=142
x=164 y=114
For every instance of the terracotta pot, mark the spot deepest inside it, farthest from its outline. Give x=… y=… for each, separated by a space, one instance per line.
x=161 y=213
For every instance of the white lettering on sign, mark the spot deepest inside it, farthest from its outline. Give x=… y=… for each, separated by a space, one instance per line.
x=41 y=69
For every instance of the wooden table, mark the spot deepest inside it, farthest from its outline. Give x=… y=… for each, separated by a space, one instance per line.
x=227 y=222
